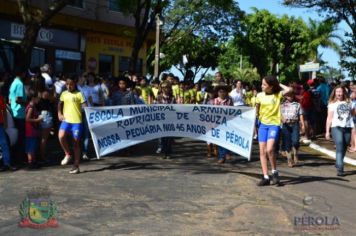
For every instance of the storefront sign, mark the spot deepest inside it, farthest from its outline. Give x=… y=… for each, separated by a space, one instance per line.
x=51 y=37
x=111 y=41
x=69 y=55
x=18 y=31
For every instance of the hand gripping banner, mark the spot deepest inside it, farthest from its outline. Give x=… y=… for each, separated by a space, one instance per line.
x=117 y=127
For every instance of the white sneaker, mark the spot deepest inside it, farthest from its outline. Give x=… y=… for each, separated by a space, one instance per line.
x=85 y=157
x=65 y=160
x=74 y=170
x=306 y=141
x=159 y=150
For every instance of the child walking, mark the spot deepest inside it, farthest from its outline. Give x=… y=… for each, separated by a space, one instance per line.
x=209 y=100
x=69 y=113
x=223 y=99
x=268 y=104
x=166 y=97
x=32 y=129
x=291 y=117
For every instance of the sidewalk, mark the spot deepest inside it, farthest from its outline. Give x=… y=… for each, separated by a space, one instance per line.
x=327 y=147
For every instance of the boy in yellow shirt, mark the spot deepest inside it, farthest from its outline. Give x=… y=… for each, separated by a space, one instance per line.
x=69 y=113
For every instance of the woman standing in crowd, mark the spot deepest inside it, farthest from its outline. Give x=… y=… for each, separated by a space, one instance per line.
x=238 y=94
x=269 y=114
x=340 y=121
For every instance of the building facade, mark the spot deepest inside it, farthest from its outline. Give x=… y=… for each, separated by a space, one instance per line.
x=86 y=35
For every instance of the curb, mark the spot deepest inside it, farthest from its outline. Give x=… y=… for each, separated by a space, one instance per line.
x=331 y=154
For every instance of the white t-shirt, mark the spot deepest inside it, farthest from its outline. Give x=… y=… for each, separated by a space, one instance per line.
x=238 y=97
x=60 y=86
x=86 y=91
x=48 y=80
x=342 y=114
x=96 y=93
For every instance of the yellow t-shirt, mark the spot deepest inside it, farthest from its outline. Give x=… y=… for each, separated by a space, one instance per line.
x=253 y=101
x=199 y=97
x=145 y=93
x=184 y=96
x=72 y=106
x=270 y=111
x=155 y=92
x=175 y=89
x=193 y=93
x=248 y=97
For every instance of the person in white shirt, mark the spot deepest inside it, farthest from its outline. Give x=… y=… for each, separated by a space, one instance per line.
x=238 y=94
x=340 y=121
x=46 y=71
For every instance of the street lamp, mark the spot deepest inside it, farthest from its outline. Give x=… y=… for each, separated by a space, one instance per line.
x=159 y=22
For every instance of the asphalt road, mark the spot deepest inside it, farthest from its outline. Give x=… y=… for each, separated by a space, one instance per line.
x=143 y=194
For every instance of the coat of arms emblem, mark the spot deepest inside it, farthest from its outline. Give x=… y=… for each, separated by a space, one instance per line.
x=37 y=210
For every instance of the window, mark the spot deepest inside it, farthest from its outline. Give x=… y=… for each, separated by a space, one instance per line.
x=124 y=65
x=37 y=57
x=114 y=5
x=106 y=64
x=6 y=57
x=76 y=3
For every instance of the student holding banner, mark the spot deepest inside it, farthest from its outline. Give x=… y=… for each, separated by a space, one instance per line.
x=223 y=99
x=166 y=97
x=268 y=109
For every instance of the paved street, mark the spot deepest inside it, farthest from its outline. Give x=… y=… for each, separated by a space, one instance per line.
x=187 y=195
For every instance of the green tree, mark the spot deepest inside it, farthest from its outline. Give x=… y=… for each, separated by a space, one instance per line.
x=233 y=65
x=323 y=34
x=201 y=54
x=268 y=40
x=335 y=9
x=33 y=19
x=144 y=13
x=339 y=11
x=348 y=56
x=196 y=28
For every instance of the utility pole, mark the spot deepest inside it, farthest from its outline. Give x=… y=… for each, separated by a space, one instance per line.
x=156 y=68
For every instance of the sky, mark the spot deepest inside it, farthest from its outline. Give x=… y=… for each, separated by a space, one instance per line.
x=276 y=7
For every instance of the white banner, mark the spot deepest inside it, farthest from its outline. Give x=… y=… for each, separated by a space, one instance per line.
x=117 y=127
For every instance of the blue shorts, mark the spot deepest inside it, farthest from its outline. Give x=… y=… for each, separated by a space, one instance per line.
x=267 y=132
x=31 y=144
x=74 y=129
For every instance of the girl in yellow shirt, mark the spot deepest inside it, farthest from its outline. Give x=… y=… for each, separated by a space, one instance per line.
x=269 y=114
